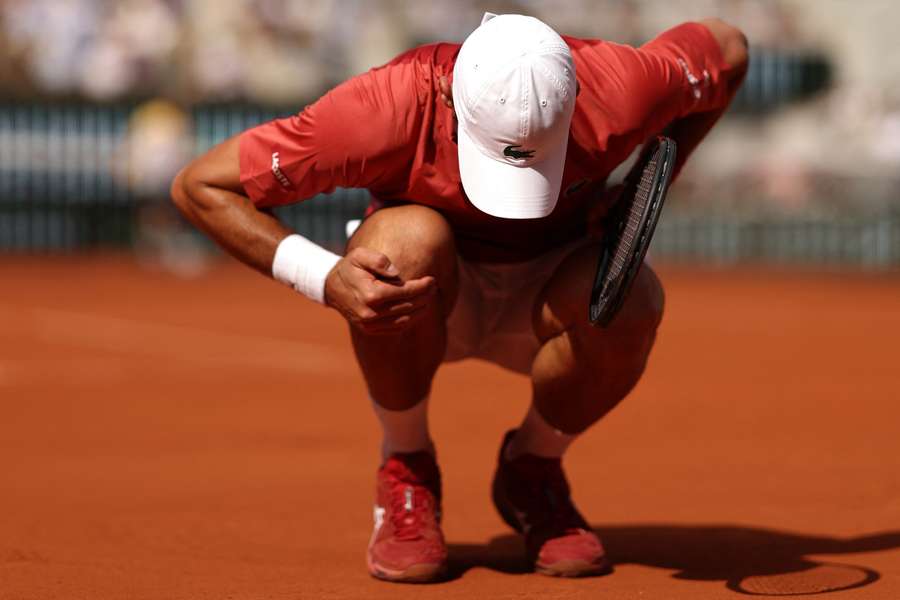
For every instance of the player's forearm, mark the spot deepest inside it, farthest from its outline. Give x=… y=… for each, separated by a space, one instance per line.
x=690 y=130
x=230 y=218
x=210 y=194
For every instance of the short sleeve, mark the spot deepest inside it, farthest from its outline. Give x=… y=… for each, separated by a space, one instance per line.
x=680 y=72
x=359 y=135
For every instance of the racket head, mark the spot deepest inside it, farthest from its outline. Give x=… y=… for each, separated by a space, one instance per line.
x=637 y=214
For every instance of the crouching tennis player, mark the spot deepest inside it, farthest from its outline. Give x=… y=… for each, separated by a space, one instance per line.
x=486 y=163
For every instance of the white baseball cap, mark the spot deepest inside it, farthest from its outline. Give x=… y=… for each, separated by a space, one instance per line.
x=514 y=95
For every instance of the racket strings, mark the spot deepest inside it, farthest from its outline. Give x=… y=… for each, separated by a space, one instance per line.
x=633 y=221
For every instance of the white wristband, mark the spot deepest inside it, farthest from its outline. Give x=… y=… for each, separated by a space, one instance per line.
x=304 y=266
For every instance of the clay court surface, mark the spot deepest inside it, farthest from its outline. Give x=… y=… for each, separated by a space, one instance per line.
x=209 y=438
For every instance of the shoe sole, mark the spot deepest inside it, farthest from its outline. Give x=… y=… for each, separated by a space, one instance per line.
x=574 y=568
x=421 y=573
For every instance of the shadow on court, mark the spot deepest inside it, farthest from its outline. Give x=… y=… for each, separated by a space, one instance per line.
x=748 y=560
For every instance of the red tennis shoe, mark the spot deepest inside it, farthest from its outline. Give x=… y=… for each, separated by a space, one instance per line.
x=532 y=496
x=407 y=544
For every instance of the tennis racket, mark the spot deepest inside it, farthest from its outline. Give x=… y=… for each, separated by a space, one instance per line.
x=633 y=222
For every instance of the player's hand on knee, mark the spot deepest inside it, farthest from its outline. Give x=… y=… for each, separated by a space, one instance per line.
x=368 y=290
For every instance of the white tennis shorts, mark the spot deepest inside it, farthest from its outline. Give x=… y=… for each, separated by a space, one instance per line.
x=493 y=315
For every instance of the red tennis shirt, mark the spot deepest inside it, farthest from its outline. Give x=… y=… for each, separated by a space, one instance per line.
x=388 y=131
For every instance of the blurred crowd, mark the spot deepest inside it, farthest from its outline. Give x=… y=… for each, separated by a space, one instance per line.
x=287 y=52
x=279 y=51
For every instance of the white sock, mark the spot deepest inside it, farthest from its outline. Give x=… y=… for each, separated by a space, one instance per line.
x=404 y=430
x=536 y=436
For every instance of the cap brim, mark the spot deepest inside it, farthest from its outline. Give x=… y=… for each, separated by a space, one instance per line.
x=507 y=191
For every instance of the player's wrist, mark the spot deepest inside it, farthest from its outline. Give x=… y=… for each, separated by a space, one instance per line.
x=304 y=266
x=331 y=280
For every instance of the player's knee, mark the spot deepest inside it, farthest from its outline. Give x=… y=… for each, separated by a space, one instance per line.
x=563 y=306
x=732 y=42
x=417 y=240
x=651 y=299
x=643 y=310
x=632 y=332
x=428 y=242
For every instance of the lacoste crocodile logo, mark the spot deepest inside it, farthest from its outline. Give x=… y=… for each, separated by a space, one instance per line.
x=511 y=152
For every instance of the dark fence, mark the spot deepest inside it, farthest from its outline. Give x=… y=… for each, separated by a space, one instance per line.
x=775 y=78
x=869 y=242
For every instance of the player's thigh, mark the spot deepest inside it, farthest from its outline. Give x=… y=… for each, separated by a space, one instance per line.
x=417 y=240
x=563 y=302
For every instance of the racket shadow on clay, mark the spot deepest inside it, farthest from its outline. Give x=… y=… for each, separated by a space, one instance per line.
x=747 y=560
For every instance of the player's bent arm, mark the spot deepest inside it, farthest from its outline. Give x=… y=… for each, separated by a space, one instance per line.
x=363 y=286
x=209 y=194
x=689 y=131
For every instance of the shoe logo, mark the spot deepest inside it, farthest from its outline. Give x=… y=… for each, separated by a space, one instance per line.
x=378 y=514
x=279 y=174
x=511 y=152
